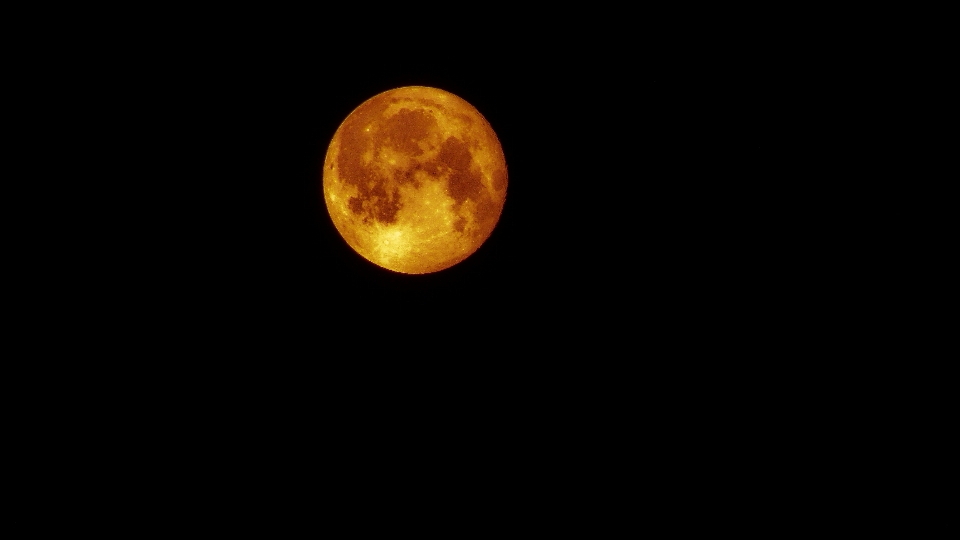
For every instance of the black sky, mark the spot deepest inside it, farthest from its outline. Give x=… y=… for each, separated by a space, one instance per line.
x=636 y=166
x=638 y=292
x=649 y=173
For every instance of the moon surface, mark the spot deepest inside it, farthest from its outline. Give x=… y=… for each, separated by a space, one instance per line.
x=415 y=179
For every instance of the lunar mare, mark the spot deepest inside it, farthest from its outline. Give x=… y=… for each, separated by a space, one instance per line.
x=415 y=179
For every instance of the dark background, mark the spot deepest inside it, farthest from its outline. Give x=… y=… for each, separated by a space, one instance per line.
x=640 y=198
x=661 y=169
x=658 y=172
x=647 y=254
x=644 y=292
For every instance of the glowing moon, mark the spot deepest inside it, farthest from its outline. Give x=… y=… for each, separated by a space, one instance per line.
x=415 y=179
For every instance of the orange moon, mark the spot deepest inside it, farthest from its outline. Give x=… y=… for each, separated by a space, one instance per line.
x=415 y=179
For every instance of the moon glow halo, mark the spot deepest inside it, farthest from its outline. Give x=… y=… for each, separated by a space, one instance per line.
x=415 y=179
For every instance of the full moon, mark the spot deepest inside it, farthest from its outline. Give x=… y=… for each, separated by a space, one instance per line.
x=415 y=179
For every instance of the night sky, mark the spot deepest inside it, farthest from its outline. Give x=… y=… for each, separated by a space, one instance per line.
x=653 y=173
x=652 y=170
x=634 y=166
x=637 y=296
